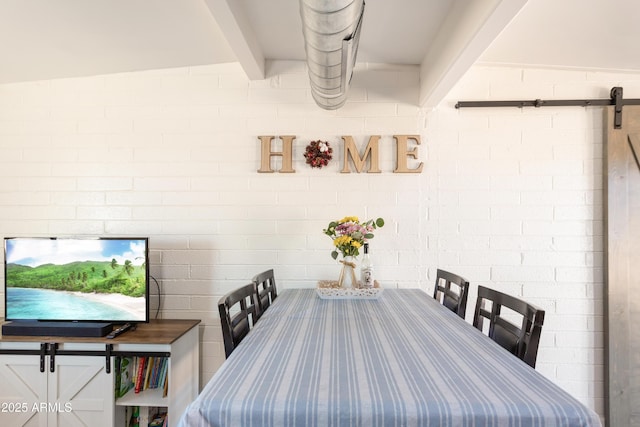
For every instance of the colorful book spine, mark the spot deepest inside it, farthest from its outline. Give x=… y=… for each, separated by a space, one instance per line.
x=135 y=417
x=140 y=373
x=163 y=372
x=157 y=363
x=147 y=372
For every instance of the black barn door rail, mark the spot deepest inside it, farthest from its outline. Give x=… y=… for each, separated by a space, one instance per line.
x=52 y=350
x=616 y=99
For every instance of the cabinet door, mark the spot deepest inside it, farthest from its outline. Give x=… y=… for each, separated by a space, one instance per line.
x=22 y=389
x=80 y=392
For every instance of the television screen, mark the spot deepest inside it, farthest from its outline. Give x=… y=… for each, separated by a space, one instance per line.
x=70 y=279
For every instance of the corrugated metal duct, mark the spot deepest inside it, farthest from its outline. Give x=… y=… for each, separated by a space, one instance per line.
x=331 y=30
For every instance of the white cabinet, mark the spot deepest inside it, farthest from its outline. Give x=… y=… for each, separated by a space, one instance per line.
x=73 y=383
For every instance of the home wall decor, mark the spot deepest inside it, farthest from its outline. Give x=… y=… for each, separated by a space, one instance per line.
x=406 y=149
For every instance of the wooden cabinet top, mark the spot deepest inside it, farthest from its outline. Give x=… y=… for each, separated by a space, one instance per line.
x=159 y=331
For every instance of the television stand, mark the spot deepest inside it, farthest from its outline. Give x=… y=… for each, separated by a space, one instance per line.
x=76 y=377
x=57 y=329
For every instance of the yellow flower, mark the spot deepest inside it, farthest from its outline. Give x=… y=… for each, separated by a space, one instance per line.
x=349 y=219
x=342 y=241
x=356 y=244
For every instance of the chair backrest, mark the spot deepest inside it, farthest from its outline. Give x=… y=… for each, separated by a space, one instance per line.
x=266 y=288
x=455 y=299
x=237 y=315
x=521 y=341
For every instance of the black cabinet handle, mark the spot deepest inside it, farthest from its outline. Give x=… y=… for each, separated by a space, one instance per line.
x=52 y=356
x=107 y=354
x=43 y=353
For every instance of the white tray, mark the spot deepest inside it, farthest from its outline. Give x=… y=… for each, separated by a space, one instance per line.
x=328 y=290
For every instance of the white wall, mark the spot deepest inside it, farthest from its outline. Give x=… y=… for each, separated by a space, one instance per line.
x=509 y=198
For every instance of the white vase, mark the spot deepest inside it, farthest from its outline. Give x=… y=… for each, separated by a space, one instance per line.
x=347 y=277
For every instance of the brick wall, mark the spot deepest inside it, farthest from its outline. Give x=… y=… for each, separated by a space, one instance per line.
x=509 y=198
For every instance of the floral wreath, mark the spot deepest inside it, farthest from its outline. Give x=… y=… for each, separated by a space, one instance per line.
x=318 y=154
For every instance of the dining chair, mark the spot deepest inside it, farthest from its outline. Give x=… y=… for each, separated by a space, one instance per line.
x=237 y=315
x=454 y=298
x=521 y=341
x=266 y=288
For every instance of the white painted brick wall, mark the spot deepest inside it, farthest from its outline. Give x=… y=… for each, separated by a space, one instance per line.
x=559 y=195
x=509 y=198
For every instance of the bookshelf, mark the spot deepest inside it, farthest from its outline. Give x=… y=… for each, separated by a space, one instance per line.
x=22 y=357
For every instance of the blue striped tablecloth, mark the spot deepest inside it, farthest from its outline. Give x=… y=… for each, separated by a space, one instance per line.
x=401 y=360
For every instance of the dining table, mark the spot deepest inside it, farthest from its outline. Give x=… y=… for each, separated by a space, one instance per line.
x=396 y=358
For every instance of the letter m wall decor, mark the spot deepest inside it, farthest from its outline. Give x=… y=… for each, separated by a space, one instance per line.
x=622 y=280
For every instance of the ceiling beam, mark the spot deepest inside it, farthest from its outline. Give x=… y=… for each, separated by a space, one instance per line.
x=236 y=28
x=467 y=31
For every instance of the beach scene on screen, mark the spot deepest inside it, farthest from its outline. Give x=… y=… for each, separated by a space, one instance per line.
x=73 y=279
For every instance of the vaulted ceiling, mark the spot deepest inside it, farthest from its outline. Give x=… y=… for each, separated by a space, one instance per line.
x=45 y=39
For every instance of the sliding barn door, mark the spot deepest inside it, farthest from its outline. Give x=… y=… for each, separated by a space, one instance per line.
x=622 y=291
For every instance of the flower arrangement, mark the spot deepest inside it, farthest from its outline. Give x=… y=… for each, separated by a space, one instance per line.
x=349 y=234
x=318 y=154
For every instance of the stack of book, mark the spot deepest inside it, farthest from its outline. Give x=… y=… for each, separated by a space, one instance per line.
x=151 y=373
x=141 y=373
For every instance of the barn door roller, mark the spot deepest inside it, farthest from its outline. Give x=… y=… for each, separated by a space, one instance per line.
x=616 y=99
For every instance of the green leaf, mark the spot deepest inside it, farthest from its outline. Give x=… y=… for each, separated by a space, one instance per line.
x=368 y=236
x=380 y=222
x=334 y=254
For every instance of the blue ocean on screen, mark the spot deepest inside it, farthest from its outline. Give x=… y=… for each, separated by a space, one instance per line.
x=26 y=303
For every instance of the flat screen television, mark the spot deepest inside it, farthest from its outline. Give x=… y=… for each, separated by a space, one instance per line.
x=76 y=279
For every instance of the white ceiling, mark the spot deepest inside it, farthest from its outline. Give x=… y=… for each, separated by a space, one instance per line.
x=48 y=39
